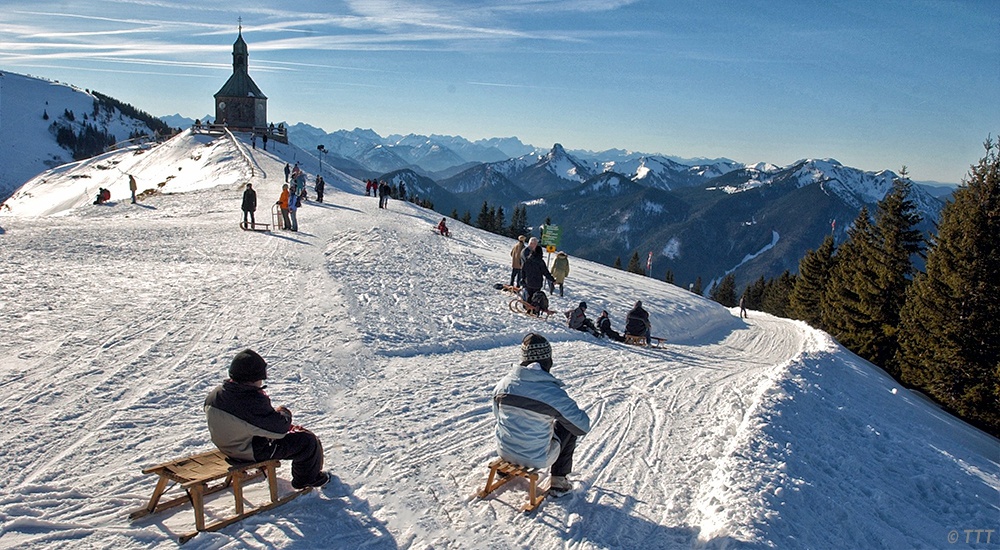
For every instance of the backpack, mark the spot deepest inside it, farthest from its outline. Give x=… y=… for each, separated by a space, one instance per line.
x=540 y=301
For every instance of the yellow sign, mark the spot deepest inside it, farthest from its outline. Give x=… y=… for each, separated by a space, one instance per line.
x=550 y=249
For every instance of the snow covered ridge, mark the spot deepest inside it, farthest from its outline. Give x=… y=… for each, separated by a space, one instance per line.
x=386 y=340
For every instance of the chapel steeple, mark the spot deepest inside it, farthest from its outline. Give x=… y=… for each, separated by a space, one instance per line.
x=239 y=103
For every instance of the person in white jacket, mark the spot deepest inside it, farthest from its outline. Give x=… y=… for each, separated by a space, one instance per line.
x=538 y=423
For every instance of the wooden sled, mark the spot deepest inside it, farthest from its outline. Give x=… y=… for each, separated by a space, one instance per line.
x=195 y=473
x=654 y=341
x=255 y=226
x=518 y=305
x=515 y=290
x=502 y=471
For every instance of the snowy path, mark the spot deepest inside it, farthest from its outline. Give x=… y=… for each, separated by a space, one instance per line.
x=387 y=340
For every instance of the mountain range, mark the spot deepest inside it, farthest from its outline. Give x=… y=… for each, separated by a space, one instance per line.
x=697 y=218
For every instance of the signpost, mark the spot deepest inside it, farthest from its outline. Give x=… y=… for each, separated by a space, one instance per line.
x=550 y=238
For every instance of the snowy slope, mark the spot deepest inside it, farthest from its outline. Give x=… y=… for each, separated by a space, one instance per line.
x=387 y=340
x=27 y=146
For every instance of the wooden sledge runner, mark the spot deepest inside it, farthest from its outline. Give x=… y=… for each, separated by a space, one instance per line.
x=518 y=305
x=654 y=341
x=502 y=471
x=255 y=226
x=195 y=473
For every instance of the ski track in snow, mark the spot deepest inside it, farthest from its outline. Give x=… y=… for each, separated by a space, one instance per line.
x=386 y=340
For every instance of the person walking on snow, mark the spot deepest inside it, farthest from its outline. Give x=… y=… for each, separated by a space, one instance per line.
x=320 y=186
x=133 y=186
x=246 y=428
x=288 y=171
x=534 y=272
x=560 y=269
x=249 y=205
x=383 y=194
x=537 y=422
x=516 y=261
x=743 y=307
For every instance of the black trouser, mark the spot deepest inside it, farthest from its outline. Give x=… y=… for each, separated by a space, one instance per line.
x=250 y=212
x=567 y=444
x=515 y=276
x=303 y=448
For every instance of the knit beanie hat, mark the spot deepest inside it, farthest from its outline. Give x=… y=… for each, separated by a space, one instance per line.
x=248 y=366
x=536 y=349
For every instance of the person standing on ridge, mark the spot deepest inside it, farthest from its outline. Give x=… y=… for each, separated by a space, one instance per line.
x=283 y=206
x=133 y=186
x=534 y=272
x=249 y=205
x=516 y=261
x=560 y=269
x=320 y=186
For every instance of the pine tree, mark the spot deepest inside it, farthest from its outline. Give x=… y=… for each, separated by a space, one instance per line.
x=897 y=242
x=454 y=214
x=669 y=277
x=725 y=291
x=776 y=293
x=519 y=221
x=806 y=300
x=697 y=286
x=499 y=222
x=485 y=219
x=850 y=298
x=949 y=339
x=618 y=263
x=754 y=294
x=467 y=218
x=634 y=266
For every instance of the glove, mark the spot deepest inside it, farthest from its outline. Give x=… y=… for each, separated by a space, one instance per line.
x=552 y=287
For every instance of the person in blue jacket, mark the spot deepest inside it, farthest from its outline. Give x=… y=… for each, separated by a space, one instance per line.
x=537 y=422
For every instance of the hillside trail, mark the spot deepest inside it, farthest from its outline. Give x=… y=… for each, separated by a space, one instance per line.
x=382 y=337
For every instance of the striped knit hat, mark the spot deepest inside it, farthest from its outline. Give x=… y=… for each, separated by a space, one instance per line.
x=535 y=348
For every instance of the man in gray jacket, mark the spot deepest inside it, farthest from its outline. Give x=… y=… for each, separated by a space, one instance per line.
x=538 y=423
x=246 y=428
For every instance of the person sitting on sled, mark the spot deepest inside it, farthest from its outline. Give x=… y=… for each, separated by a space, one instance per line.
x=637 y=322
x=537 y=422
x=246 y=428
x=604 y=325
x=577 y=319
x=443 y=229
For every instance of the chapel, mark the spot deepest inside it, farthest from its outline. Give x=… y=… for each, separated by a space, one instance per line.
x=240 y=104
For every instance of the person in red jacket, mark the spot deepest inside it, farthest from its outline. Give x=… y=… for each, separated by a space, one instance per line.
x=245 y=427
x=443 y=229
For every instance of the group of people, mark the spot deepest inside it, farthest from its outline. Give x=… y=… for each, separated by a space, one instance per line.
x=524 y=248
x=537 y=423
x=529 y=272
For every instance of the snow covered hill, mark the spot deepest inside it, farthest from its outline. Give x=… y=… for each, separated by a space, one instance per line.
x=29 y=107
x=386 y=340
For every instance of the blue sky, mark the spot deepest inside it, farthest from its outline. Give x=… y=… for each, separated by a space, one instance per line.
x=875 y=85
